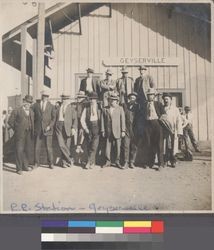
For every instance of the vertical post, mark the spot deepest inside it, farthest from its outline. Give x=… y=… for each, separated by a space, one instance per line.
x=23 y=60
x=40 y=49
x=79 y=12
x=34 y=72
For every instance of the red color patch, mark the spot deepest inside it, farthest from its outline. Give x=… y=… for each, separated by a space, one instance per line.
x=157 y=227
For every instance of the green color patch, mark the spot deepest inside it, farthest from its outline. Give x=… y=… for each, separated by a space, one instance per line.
x=109 y=224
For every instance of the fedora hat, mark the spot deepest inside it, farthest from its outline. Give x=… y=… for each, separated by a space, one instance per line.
x=113 y=96
x=89 y=70
x=166 y=95
x=44 y=93
x=124 y=69
x=28 y=98
x=151 y=91
x=109 y=72
x=187 y=108
x=65 y=97
x=132 y=94
x=142 y=67
x=93 y=95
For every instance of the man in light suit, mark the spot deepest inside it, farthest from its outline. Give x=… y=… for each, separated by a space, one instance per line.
x=44 y=121
x=113 y=127
x=142 y=84
x=22 y=122
x=66 y=128
x=89 y=84
x=124 y=86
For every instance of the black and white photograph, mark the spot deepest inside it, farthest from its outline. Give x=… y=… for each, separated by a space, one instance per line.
x=106 y=107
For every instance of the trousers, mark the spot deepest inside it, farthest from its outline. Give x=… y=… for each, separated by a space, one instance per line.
x=110 y=142
x=129 y=149
x=93 y=141
x=49 y=147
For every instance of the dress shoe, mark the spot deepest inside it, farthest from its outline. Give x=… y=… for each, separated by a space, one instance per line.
x=70 y=164
x=125 y=166
x=87 y=166
x=108 y=164
x=157 y=168
x=117 y=163
x=92 y=165
x=19 y=172
x=51 y=166
x=28 y=169
x=36 y=166
x=131 y=165
x=173 y=164
x=145 y=166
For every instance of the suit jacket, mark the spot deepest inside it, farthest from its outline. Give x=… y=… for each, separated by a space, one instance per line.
x=19 y=121
x=44 y=119
x=131 y=113
x=95 y=86
x=70 y=118
x=124 y=89
x=113 y=124
x=141 y=86
x=105 y=87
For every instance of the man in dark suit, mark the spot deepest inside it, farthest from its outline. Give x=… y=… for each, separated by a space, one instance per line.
x=66 y=128
x=44 y=120
x=153 y=130
x=89 y=84
x=91 y=123
x=124 y=86
x=129 y=142
x=113 y=127
x=22 y=122
x=142 y=84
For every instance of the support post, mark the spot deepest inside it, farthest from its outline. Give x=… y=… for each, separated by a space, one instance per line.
x=79 y=13
x=24 y=87
x=34 y=72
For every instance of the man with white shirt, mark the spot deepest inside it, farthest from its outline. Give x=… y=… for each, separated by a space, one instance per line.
x=188 y=129
x=113 y=128
x=172 y=122
x=90 y=121
x=44 y=121
x=22 y=122
x=66 y=129
x=89 y=84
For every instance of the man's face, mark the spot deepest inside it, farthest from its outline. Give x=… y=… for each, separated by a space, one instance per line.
x=167 y=100
x=66 y=101
x=142 y=72
x=132 y=99
x=125 y=74
x=108 y=76
x=89 y=74
x=27 y=105
x=44 y=98
x=150 y=97
x=113 y=103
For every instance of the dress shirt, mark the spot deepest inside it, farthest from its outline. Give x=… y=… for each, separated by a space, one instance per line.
x=151 y=112
x=62 y=112
x=89 y=86
x=43 y=105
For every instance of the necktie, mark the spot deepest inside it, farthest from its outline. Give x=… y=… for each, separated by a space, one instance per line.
x=43 y=106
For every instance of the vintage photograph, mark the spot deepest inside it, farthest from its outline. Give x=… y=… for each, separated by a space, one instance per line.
x=106 y=107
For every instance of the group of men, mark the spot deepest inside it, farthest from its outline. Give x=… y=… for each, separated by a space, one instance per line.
x=120 y=115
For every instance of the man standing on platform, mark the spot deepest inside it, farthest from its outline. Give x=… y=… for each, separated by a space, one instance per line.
x=89 y=84
x=142 y=84
x=153 y=130
x=106 y=86
x=66 y=128
x=44 y=121
x=113 y=127
x=91 y=124
x=22 y=122
x=124 y=85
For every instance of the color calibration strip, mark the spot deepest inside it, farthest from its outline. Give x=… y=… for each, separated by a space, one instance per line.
x=97 y=231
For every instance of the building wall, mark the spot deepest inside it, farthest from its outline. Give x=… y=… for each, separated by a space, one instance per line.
x=140 y=30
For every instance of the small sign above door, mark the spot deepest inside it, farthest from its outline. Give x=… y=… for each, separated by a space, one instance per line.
x=137 y=61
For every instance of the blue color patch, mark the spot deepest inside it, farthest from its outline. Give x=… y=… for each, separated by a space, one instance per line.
x=81 y=223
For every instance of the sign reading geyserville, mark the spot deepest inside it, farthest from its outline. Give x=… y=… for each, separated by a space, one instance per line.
x=136 y=61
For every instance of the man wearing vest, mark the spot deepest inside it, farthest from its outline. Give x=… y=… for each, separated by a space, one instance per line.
x=90 y=121
x=66 y=129
x=22 y=122
x=113 y=127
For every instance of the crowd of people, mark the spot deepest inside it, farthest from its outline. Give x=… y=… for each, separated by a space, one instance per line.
x=121 y=114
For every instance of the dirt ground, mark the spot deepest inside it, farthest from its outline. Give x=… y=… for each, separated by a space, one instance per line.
x=186 y=187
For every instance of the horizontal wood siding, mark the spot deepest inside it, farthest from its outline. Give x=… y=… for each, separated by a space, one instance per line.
x=139 y=30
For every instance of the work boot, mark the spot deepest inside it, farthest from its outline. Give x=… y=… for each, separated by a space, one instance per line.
x=19 y=172
x=125 y=166
x=117 y=163
x=51 y=166
x=131 y=165
x=107 y=164
x=36 y=165
x=87 y=166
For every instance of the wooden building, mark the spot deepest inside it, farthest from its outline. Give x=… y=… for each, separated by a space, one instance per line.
x=96 y=34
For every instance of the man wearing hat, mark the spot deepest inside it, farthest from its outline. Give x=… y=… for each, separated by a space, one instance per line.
x=188 y=129
x=66 y=129
x=22 y=122
x=89 y=84
x=44 y=121
x=106 y=86
x=129 y=142
x=172 y=123
x=142 y=84
x=124 y=85
x=153 y=132
x=91 y=124
x=113 y=128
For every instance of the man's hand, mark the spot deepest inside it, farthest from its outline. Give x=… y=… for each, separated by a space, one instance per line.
x=86 y=131
x=123 y=134
x=103 y=134
x=47 y=128
x=73 y=131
